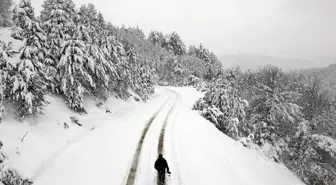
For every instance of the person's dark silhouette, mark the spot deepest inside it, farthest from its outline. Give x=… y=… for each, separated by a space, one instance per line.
x=161 y=165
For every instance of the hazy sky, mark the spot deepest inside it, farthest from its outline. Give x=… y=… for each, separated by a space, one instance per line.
x=289 y=28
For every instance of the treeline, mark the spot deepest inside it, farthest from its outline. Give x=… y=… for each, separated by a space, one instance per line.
x=75 y=52
x=291 y=116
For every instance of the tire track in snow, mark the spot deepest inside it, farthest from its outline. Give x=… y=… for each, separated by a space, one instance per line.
x=48 y=162
x=133 y=170
x=172 y=147
x=163 y=129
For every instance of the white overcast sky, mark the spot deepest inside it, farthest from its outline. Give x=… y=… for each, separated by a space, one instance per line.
x=289 y=28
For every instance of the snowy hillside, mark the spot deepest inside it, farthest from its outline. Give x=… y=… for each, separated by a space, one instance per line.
x=30 y=145
x=83 y=101
x=195 y=150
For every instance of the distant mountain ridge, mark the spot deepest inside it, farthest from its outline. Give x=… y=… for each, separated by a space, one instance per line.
x=249 y=61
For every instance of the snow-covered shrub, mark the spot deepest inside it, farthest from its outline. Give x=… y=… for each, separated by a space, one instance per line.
x=311 y=156
x=311 y=159
x=223 y=106
x=9 y=176
x=201 y=86
x=214 y=115
x=192 y=80
x=2 y=158
x=200 y=104
x=3 y=111
x=99 y=104
x=247 y=141
x=75 y=120
x=326 y=143
x=66 y=126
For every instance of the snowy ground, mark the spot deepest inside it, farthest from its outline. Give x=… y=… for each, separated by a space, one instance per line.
x=46 y=138
x=197 y=152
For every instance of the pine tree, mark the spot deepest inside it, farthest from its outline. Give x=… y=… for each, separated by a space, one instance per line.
x=59 y=27
x=29 y=88
x=156 y=37
x=175 y=44
x=114 y=52
x=88 y=18
x=103 y=70
x=5 y=13
x=142 y=77
x=79 y=65
x=101 y=29
x=75 y=79
x=6 y=72
x=46 y=11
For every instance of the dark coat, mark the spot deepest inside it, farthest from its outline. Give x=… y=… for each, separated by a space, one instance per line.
x=161 y=165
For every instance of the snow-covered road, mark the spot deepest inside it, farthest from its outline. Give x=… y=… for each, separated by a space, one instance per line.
x=124 y=152
x=105 y=156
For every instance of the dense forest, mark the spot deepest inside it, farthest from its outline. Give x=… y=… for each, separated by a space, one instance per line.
x=72 y=52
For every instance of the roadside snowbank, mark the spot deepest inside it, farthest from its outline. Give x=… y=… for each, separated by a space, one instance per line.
x=200 y=154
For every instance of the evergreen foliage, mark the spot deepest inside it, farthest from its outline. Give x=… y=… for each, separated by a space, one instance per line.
x=5 y=13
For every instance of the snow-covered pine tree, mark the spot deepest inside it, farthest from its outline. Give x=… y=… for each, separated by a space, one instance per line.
x=213 y=66
x=140 y=53
x=101 y=29
x=6 y=72
x=201 y=52
x=192 y=50
x=58 y=24
x=29 y=86
x=73 y=75
x=115 y=53
x=132 y=58
x=175 y=44
x=88 y=18
x=46 y=11
x=75 y=67
x=148 y=76
x=125 y=80
x=223 y=106
x=142 y=75
x=5 y=13
x=103 y=70
x=156 y=38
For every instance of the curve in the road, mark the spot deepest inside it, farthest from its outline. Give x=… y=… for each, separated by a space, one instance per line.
x=163 y=129
x=133 y=170
x=173 y=155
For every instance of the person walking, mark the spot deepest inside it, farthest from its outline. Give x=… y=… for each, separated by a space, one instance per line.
x=161 y=165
